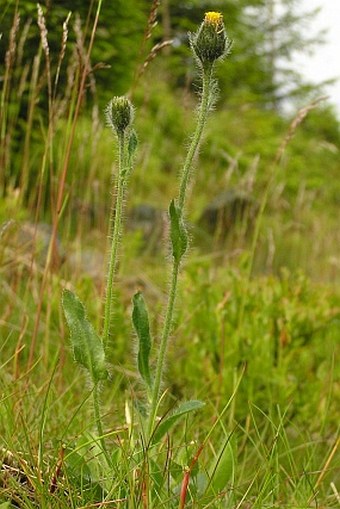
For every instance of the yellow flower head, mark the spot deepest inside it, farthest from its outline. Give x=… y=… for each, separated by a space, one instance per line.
x=213 y=18
x=210 y=42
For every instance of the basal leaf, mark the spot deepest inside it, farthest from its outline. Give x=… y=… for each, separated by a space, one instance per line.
x=178 y=234
x=183 y=409
x=222 y=469
x=76 y=468
x=87 y=346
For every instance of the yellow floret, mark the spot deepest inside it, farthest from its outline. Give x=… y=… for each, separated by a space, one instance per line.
x=213 y=18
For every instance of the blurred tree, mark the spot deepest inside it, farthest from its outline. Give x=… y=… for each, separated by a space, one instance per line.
x=118 y=38
x=283 y=34
x=266 y=33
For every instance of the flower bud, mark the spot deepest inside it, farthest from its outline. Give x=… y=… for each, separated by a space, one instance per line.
x=210 y=42
x=119 y=114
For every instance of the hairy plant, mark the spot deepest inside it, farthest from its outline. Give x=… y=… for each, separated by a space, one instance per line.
x=209 y=44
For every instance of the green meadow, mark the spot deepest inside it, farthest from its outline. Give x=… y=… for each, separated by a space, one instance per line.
x=169 y=258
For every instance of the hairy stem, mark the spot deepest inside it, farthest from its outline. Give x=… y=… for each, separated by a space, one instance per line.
x=163 y=347
x=115 y=230
x=203 y=111
x=97 y=416
x=185 y=177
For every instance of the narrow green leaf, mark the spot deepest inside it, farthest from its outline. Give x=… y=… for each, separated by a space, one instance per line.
x=89 y=447
x=76 y=467
x=140 y=322
x=87 y=346
x=158 y=479
x=222 y=469
x=178 y=234
x=183 y=409
x=132 y=144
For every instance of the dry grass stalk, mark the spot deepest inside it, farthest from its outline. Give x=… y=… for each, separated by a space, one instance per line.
x=46 y=49
x=79 y=40
x=33 y=94
x=5 y=136
x=152 y=19
x=10 y=53
x=153 y=53
x=22 y=41
x=62 y=52
x=52 y=255
x=298 y=119
x=151 y=23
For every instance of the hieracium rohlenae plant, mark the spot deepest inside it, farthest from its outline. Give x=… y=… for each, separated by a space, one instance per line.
x=209 y=44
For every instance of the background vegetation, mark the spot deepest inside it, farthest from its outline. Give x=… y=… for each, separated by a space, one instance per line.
x=259 y=293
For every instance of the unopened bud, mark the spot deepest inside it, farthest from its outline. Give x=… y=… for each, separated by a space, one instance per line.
x=119 y=114
x=210 y=42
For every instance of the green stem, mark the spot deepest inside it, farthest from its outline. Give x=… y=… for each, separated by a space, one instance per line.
x=201 y=121
x=185 y=176
x=96 y=405
x=163 y=347
x=115 y=230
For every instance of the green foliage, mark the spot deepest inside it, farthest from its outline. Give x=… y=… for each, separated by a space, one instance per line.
x=87 y=467
x=287 y=340
x=87 y=347
x=168 y=421
x=179 y=239
x=283 y=330
x=140 y=321
x=222 y=470
x=132 y=146
x=120 y=21
x=266 y=336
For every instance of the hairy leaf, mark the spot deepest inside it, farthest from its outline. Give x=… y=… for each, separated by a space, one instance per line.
x=179 y=238
x=132 y=144
x=87 y=346
x=167 y=422
x=140 y=322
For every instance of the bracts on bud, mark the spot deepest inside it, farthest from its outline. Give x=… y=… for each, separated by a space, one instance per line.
x=210 y=42
x=119 y=114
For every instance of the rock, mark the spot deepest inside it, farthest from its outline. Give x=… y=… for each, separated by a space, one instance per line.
x=228 y=209
x=26 y=240
x=89 y=261
x=151 y=222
